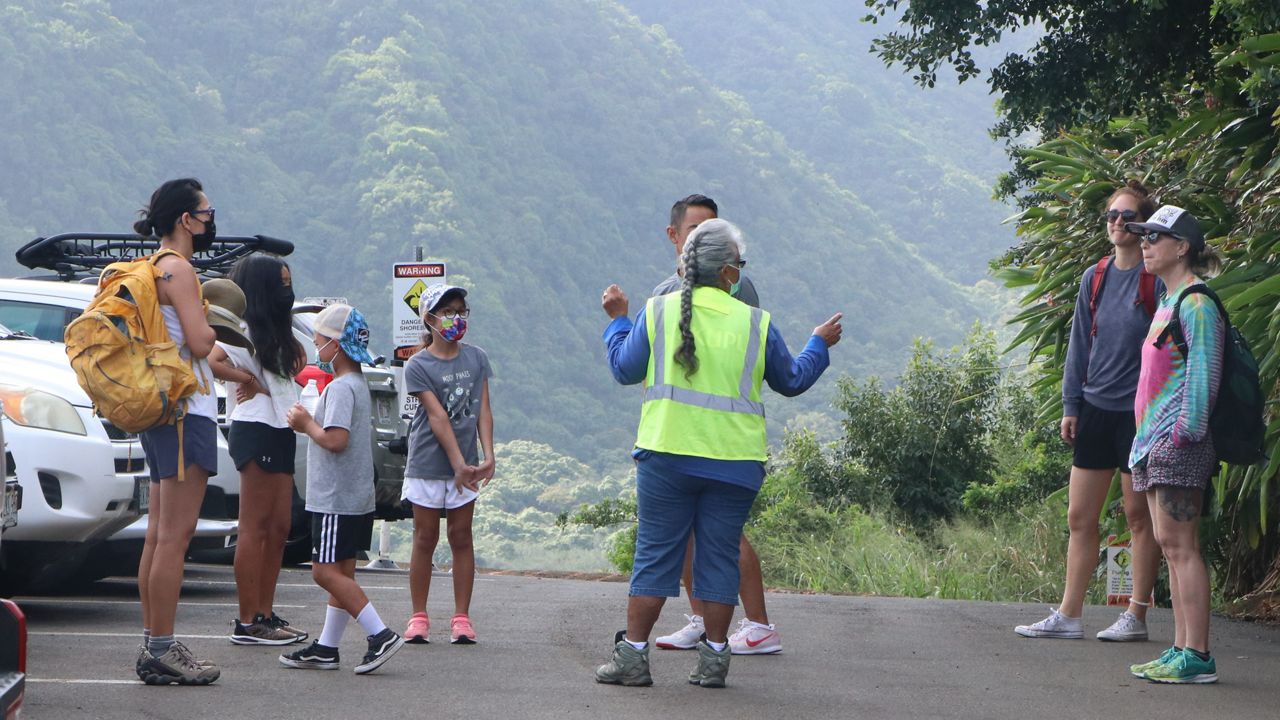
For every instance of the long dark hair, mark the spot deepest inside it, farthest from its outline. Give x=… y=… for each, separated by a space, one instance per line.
x=168 y=204
x=270 y=322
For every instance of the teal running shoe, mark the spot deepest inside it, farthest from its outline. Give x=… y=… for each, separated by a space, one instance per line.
x=1185 y=668
x=1140 y=670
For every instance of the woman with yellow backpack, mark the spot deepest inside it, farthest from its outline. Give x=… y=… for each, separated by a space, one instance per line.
x=180 y=214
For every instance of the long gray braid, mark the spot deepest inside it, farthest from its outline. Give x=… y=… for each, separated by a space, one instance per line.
x=712 y=245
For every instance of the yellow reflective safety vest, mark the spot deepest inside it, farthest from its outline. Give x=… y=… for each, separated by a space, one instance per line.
x=716 y=413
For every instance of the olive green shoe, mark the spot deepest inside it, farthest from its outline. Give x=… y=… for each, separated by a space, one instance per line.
x=628 y=666
x=1140 y=670
x=1185 y=669
x=712 y=666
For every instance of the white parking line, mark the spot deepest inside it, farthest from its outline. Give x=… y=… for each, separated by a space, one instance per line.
x=313 y=586
x=77 y=681
x=69 y=601
x=123 y=635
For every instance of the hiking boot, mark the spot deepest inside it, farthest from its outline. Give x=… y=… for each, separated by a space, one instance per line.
x=1140 y=670
x=280 y=623
x=381 y=647
x=1056 y=625
x=185 y=649
x=176 y=665
x=419 y=627
x=712 y=666
x=686 y=638
x=1185 y=668
x=1126 y=628
x=753 y=638
x=312 y=657
x=628 y=666
x=259 y=632
x=460 y=630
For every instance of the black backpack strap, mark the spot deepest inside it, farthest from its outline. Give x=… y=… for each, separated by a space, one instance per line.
x=1173 y=331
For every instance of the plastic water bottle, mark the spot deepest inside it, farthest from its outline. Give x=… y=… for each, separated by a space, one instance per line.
x=310 y=396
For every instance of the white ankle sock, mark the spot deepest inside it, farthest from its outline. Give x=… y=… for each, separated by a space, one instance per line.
x=637 y=645
x=369 y=620
x=335 y=622
x=718 y=647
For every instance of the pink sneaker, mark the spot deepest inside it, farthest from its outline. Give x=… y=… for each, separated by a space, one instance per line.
x=463 y=633
x=418 y=628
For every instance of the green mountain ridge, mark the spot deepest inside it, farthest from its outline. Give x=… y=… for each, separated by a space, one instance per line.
x=536 y=149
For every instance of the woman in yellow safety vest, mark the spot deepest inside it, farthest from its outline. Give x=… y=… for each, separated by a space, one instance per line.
x=703 y=357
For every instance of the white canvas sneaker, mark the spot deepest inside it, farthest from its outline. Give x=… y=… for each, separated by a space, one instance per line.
x=1126 y=628
x=1056 y=625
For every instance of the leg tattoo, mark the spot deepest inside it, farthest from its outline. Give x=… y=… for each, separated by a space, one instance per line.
x=1182 y=504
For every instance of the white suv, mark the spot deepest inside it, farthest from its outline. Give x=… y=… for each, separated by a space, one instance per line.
x=73 y=498
x=42 y=309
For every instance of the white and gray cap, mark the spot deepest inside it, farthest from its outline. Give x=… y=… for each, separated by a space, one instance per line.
x=1173 y=220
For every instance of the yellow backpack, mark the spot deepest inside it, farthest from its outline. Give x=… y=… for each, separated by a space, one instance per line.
x=123 y=356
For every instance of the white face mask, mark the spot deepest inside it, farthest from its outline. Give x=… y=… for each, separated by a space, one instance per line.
x=325 y=365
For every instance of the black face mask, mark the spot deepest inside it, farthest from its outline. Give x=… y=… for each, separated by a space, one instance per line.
x=203 y=241
x=284 y=298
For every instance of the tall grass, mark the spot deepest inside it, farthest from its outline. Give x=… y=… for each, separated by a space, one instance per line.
x=1018 y=558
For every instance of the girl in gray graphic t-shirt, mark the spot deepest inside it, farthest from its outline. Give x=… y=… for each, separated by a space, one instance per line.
x=453 y=422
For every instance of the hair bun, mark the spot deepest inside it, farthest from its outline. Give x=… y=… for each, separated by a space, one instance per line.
x=144 y=227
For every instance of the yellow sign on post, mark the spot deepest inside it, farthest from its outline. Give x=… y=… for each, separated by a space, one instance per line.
x=1119 y=571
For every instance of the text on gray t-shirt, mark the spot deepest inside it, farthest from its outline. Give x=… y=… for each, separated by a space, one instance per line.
x=341 y=483
x=458 y=384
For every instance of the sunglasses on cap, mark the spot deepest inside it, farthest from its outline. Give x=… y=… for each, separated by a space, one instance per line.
x=1126 y=215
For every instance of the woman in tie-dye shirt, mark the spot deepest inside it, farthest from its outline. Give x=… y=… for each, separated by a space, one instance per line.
x=1173 y=456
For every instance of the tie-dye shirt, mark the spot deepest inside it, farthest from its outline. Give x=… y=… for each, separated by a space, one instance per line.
x=1176 y=395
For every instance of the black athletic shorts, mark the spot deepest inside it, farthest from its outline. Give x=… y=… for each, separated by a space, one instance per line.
x=1103 y=439
x=271 y=447
x=335 y=538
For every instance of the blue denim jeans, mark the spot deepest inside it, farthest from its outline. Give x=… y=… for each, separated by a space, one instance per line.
x=670 y=504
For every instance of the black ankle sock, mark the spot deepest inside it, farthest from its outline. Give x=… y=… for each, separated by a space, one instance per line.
x=1177 y=649
x=1197 y=653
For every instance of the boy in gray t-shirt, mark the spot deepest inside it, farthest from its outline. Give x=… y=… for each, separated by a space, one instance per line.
x=340 y=492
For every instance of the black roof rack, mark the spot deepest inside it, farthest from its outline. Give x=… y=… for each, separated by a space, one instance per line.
x=73 y=255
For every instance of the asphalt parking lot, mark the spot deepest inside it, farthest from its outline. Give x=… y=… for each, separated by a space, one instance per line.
x=540 y=639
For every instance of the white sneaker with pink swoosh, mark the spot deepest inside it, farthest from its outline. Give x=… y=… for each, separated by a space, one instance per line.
x=753 y=638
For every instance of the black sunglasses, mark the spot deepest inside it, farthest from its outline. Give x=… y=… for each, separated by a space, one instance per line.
x=740 y=264
x=1153 y=237
x=1127 y=215
x=207 y=211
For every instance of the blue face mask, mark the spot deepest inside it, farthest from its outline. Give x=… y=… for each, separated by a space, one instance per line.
x=325 y=365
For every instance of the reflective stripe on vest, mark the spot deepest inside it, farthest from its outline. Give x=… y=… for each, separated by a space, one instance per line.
x=717 y=413
x=687 y=396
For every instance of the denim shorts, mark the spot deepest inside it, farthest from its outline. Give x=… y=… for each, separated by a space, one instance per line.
x=199 y=447
x=670 y=504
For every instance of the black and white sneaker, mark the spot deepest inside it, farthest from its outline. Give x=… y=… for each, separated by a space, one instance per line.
x=381 y=647
x=312 y=657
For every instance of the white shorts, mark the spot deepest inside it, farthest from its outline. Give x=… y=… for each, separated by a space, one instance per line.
x=436 y=494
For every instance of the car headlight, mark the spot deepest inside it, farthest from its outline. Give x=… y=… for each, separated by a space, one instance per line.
x=38 y=409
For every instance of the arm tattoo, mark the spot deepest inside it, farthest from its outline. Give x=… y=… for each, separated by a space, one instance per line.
x=167 y=276
x=1182 y=504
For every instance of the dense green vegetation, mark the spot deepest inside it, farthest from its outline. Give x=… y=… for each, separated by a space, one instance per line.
x=537 y=151
x=1191 y=106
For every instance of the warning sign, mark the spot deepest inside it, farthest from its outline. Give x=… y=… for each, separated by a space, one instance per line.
x=408 y=282
x=415 y=293
x=1119 y=571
